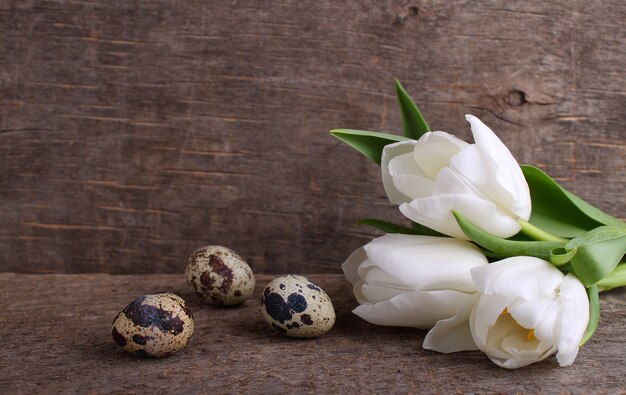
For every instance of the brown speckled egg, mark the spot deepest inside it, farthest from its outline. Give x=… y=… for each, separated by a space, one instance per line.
x=220 y=276
x=294 y=306
x=154 y=325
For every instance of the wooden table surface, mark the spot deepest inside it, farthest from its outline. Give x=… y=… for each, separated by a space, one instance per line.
x=135 y=131
x=55 y=332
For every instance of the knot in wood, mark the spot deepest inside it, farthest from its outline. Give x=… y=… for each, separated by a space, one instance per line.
x=516 y=98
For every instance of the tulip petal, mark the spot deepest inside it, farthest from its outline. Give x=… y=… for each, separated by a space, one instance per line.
x=521 y=352
x=504 y=327
x=413 y=309
x=351 y=265
x=485 y=315
x=449 y=182
x=434 y=150
x=472 y=167
x=356 y=290
x=505 y=182
x=371 y=277
x=426 y=262
x=374 y=293
x=523 y=276
x=453 y=334
x=574 y=319
x=435 y=212
x=389 y=152
x=378 y=286
x=532 y=314
x=518 y=362
x=545 y=330
x=518 y=346
x=508 y=344
x=566 y=357
x=375 y=275
x=408 y=178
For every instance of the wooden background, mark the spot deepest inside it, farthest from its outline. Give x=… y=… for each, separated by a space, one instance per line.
x=133 y=132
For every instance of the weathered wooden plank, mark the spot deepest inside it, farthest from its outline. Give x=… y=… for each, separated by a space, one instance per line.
x=55 y=332
x=133 y=132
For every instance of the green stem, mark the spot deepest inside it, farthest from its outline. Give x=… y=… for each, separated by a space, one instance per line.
x=538 y=234
x=617 y=278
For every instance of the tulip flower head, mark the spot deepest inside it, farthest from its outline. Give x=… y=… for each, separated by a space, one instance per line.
x=439 y=173
x=418 y=281
x=528 y=310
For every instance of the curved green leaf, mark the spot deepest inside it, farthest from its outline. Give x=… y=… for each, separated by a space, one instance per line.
x=593 y=212
x=413 y=123
x=598 y=253
x=552 y=209
x=566 y=268
x=594 y=314
x=504 y=247
x=387 y=227
x=425 y=230
x=370 y=144
x=390 y=227
x=597 y=235
x=560 y=256
x=617 y=278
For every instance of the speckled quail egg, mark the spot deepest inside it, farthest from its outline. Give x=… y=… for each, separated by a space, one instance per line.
x=220 y=276
x=154 y=325
x=294 y=306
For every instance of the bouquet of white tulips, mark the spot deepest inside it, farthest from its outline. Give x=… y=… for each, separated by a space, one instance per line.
x=497 y=257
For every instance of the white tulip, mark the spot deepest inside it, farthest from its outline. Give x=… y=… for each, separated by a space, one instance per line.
x=439 y=173
x=418 y=281
x=528 y=310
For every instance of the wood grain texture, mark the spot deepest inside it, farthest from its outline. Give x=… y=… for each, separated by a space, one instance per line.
x=59 y=341
x=133 y=132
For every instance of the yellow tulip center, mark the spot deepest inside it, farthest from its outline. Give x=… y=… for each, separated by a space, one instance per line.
x=530 y=336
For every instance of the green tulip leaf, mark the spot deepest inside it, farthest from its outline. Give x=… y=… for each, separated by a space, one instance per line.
x=593 y=212
x=597 y=253
x=617 y=278
x=505 y=247
x=413 y=122
x=597 y=235
x=560 y=256
x=425 y=230
x=388 y=227
x=566 y=268
x=594 y=314
x=552 y=209
x=370 y=144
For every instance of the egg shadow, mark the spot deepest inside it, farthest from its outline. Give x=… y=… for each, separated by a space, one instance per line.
x=107 y=353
